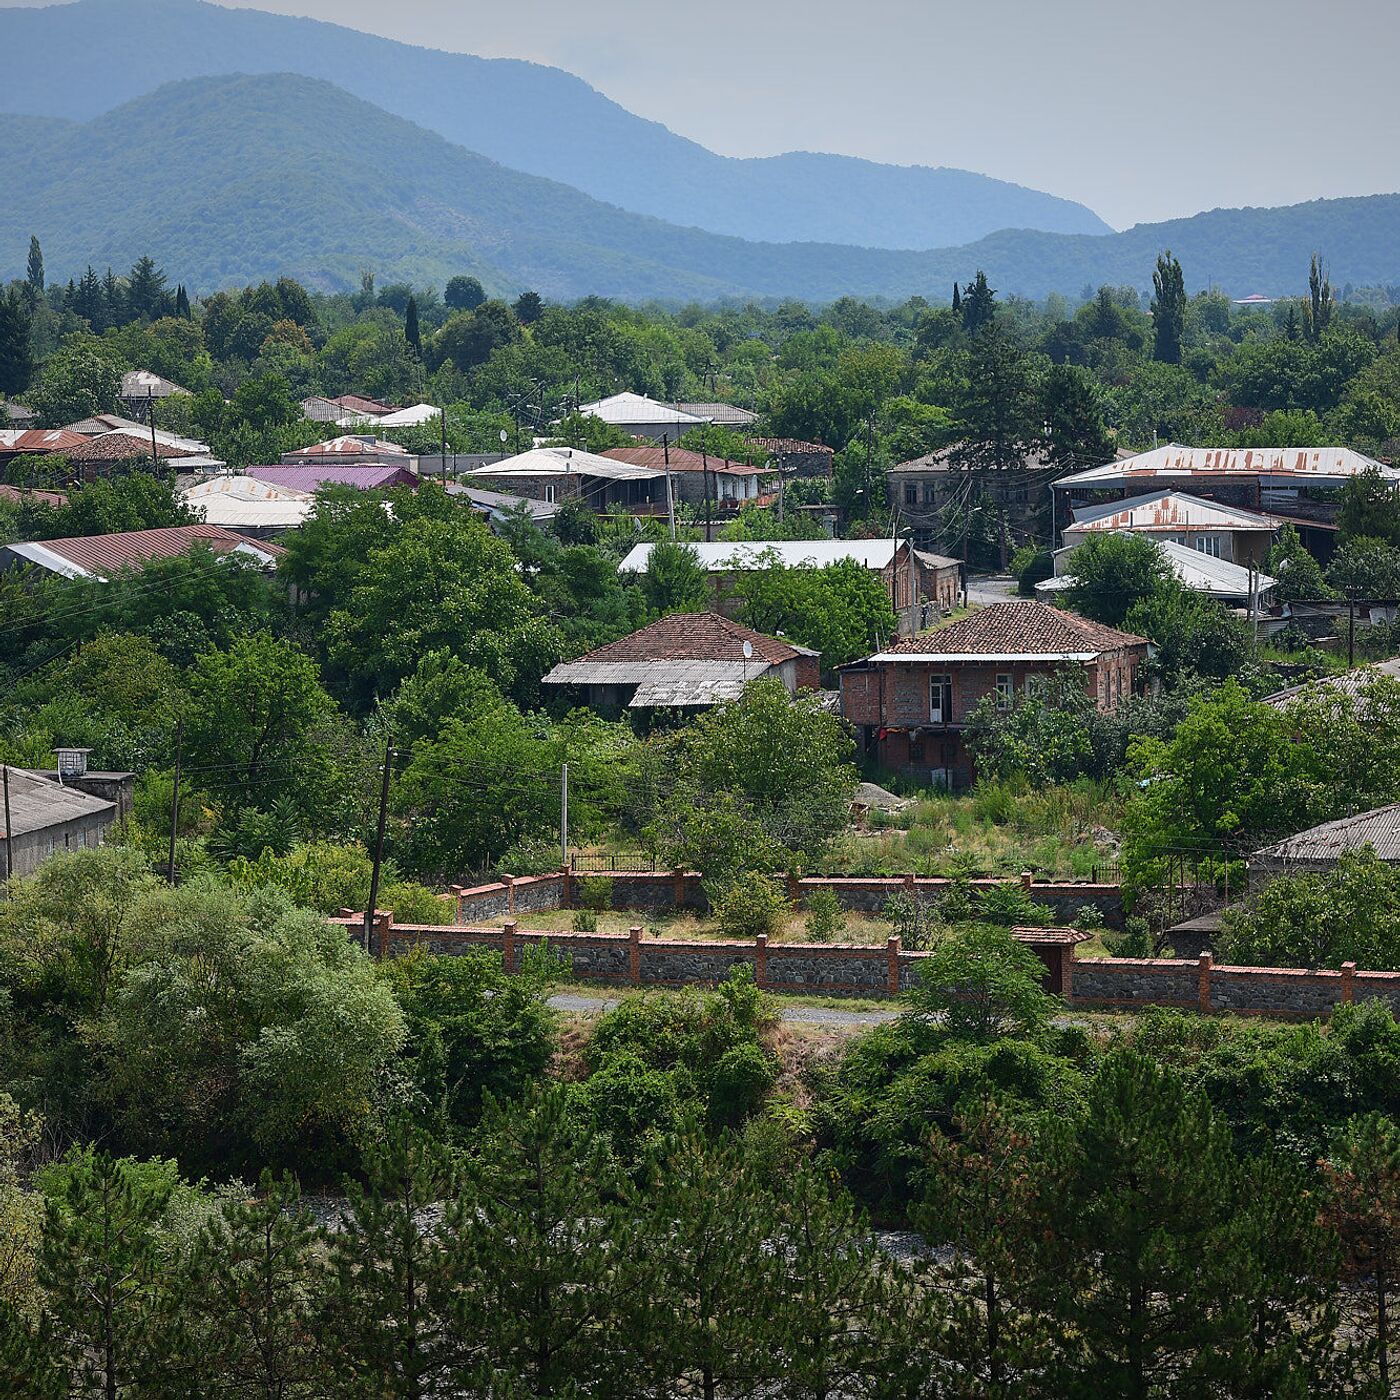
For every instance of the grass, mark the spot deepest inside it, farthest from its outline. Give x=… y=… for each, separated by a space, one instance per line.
x=688 y=924
x=778 y=1000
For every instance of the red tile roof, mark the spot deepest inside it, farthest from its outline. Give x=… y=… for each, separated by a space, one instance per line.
x=1016 y=628
x=681 y=460
x=119 y=447
x=21 y=494
x=784 y=446
x=105 y=555
x=40 y=440
x=695 y=637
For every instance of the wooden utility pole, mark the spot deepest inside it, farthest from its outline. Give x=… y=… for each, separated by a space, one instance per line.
x=378 y=846
x=1351 y=633
x=9 y=829
x=670 y=496
x=151 y=416
x=705 y=470
x=564 y=815
x=175 y=797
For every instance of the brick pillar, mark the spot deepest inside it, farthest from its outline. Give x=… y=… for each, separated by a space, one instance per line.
x=566 y=889
x=678 y=888
x=509 y=882
x=892 y=965
x=1203 y=964
x=794 y=890
x=634 y=954
x=1067 y=973
x=508 y=952
x=457 y=901
x=908 y=884
x=760 y=960
x=383 y=930
x=1027 y=880
x=1348 y=981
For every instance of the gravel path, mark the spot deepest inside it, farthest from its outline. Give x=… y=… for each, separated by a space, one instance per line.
x=990 y=588
x=805 y=1015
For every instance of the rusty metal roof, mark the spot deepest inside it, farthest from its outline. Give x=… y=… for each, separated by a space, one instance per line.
x=1279 y=463
x=1171 y=510
x=27 y=441
x=102 y=556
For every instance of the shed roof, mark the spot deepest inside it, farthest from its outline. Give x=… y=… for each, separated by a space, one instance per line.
x=20 y=494
x=1348 y=683
x=37 y=802
x=102 y=556
x=1285 y=463
x=728 y=415
x=781 y=446
x=1020 y=629
x=348 y=445
x=1221 y=578
x=1379 y=828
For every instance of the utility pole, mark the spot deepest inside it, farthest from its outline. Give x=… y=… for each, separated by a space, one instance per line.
x=175 y=795
x=705 y=470
x=9 y=830
x=564 y=815
x=151 y=416
x=1351 y=633
x=442 y=425
x=894 y=566
x=670 y=496
x=378 y=845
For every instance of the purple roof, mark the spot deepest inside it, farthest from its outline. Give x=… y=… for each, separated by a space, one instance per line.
x=313 y=478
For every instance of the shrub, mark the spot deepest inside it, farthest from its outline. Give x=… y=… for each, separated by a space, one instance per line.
x=585 y=921
x=1134 y=942
x=984 y=985
x=824 y=917
x=752 y=905
x=415 y=904
x=917 y=921
x=1010 y=906
x=1089 y=919
x=596 y=892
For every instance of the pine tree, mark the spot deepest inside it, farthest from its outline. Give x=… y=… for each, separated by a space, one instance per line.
x=978 y=304
x=1290 y=324
x=1146 y=1292
x=34 y=272
x=1073 y=413
x=16 y=356
x=389 y=1313
x=146 y=295
x=89 y=301
x=114 y=306
x=410 y=327
x=182 y=302
x=101 y=1271
x=252 y=1279
x=1168 y=309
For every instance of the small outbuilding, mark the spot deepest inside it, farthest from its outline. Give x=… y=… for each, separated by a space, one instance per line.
x=45 y=817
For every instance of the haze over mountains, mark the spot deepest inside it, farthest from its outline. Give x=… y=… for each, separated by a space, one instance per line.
x=535 y=119
x=227 y=178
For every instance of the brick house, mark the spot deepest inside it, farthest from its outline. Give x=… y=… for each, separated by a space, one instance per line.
x=684 y=660
x=910 y=703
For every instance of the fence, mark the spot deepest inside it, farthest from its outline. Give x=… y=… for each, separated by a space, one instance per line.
x=593 y=863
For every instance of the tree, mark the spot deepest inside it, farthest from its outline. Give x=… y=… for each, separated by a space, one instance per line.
x=16 y=357
x=182 y=303
x=1317 y=314
x=1364 y=567
x=34 y=269
x=1168 y=309
x=1046 y=738
x=464 y=293
x=1193 y=634
x=675 y=580
x=1073 y=413
x=147 y=297
x=75 y=382
x=528 y=308
x=1363 y=1173
x=978 y=304
x=410 y=328
x=1299 y=575
x=1147 y=1287
x=1112 y=572
x=1369 y=508
x=983 y=985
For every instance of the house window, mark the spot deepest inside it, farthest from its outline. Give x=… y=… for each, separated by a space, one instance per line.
x=1006 y=688
x=1209 y=544
x=911 y=493
x=930 y=493
x=549 y=492
x=940 y=700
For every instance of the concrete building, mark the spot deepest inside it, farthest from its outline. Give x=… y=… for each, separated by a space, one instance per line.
x=684 y=661
x=558 y=474
x=696 y=477
x=911 y=702
x=1230 y=533
x=641 y=417
x=46 y=817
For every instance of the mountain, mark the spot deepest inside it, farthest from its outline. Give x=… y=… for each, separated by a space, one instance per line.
x=231 y=179
x=82 y=59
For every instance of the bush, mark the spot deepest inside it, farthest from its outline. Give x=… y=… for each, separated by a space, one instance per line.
x=984 y=985
x=1010 y=906
x=596 y=892
x=1030 y=565
x=824 y=916
x=752 y=905
x=585 y=921
x=917 y=922
x=416 y=904
x=1134 y=942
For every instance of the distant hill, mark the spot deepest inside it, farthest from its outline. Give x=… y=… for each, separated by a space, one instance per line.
x=83 y=59
x=231 y=179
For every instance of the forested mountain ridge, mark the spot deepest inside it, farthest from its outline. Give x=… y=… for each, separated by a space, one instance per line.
x=533 y=118
x=237 y=178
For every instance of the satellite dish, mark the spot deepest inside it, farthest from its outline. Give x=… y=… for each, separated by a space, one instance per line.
x=748 y=651
x=504 y=435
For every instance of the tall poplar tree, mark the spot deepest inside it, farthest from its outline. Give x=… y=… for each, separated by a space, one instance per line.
x=1168 y=309
x=34 y=272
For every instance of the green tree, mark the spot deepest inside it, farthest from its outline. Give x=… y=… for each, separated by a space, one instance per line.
x=983 y=985
x=1369 y=508
x=1072 y=407
x=1299 y=575
x=978 y=305
x=1317 y=314
x=34 y=269
x=1168 y=309
x=1365 y=567
x=528 y=308
x=16 y=357
x=463 y=293
x=1193 y=634
x=469 y=338
x=410 y=328
x=1112 y=572
x=147 y=297
x=75 y=382
x=675 y=580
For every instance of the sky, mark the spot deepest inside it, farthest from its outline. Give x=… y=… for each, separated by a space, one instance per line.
x=1142 y=111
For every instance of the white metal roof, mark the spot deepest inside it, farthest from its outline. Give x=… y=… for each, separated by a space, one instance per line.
x=408 y=417
x=145 y=383
x=1166 y=511
x=37 y=802
x=634 y=408
x=658 y=671
x=563 y=461
x=725 y=556
x=244 y=501
x=1286 y=464
x=1202 y=572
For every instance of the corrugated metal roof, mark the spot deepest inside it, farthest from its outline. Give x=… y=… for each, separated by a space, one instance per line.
x=634 y=408
x=1171 y=510
x=726 y=556
x=37 y=802
x=27 y=441
x=408 y=417
x=659 y=672
x=311 y=478
x=705 y=636
x=102 y=556
x=679 y=459
x=1283 y=463
x=565 y=461
x=1197 y=570
x=1379 y=828
x=347 y=445
x=1349 y=683
x=696 y=691
x=726 y=415
x=502 y=502
x=146 y=384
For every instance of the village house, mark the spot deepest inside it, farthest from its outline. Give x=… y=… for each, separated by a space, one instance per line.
x=105 y=556
x=698 y=479
x=1230 y=533
x=921 y=585
x=793 y=457
x=350 y=449
x=641 y=417
x=559 y=474
x=46 y=817
x=1298 y=484
x=143 y=387
x=247 y=506
x=910 y=702
x=684 y=661
x=37 y=442
x=311 y=477
x=722 y=415
x=1318 y=849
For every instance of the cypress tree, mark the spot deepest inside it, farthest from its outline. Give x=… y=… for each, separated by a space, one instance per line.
x=1317 y=315
x=410 y=327
x=34 y=271
x=1168 y=309
x=182 y=303
x=957 y=300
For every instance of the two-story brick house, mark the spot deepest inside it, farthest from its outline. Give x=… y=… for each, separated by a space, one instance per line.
x=910 y=703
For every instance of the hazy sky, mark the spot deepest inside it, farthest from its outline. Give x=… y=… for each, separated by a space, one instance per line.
x=1143 y=112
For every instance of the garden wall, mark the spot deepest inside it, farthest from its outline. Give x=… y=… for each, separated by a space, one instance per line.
x=883 y=969
x=647 y=891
